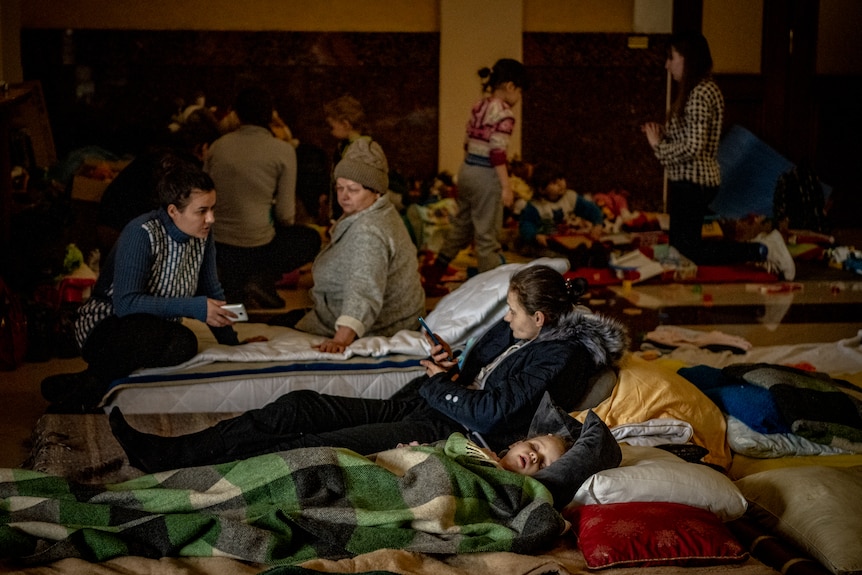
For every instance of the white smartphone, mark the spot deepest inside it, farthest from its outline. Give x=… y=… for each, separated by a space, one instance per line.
x=238 y=309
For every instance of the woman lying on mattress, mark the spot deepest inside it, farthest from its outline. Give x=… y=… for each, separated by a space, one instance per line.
x=295 y=505
x=544 y=343
x=161 y=269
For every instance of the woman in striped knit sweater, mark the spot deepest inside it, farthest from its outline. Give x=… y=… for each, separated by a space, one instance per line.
x=161 y=270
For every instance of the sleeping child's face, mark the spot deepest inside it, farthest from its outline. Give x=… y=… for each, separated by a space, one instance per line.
x=529 y=456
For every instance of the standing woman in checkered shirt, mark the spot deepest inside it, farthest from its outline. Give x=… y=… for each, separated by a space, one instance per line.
x=687 y=147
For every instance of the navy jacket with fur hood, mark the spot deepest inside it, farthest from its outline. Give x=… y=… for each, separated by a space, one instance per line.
x=561 y=361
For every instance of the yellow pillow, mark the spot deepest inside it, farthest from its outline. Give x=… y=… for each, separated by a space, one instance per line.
x=646 y=390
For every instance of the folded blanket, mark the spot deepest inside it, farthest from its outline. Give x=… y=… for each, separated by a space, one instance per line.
x=811 y=403
x=283 y=508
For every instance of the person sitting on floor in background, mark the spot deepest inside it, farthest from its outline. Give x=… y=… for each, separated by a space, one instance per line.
x=133 y=191
x=543 y=344
x=554 y=210
x=366 y=279
x=161 y=269
x=255 y=174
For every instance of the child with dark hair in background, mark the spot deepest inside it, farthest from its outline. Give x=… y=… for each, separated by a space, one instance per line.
x=557 y=220
x=483 y=180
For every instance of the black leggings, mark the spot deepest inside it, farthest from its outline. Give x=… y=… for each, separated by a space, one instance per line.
x=119 y=345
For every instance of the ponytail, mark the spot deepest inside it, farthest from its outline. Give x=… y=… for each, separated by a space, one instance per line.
x=541 y=288
x=504 y=70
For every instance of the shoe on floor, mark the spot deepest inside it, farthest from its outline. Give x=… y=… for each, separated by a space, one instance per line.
x=263 y=298
x=778 y=258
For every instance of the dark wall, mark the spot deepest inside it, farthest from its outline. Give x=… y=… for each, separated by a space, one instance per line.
x=589 y=95
x=137 y=77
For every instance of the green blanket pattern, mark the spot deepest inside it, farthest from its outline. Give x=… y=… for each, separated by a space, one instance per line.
x=283 y=508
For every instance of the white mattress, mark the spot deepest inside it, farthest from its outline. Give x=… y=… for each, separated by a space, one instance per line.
x=224 y=378
x=229 y=386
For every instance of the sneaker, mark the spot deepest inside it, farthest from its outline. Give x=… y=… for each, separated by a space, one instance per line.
x=778 y=258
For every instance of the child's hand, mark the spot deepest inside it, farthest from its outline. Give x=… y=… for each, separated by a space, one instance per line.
x=508 y=196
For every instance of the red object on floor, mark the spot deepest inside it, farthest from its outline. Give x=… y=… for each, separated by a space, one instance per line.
x=72 y=289
x=729 y=274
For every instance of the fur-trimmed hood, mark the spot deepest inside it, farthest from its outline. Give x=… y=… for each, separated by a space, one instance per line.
x=604 y=338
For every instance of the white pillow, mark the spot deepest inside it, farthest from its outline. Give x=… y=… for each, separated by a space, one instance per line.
x=652 y=474
x=469 y=311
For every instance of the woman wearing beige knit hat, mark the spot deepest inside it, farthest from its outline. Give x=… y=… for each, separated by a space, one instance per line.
x=366 y=280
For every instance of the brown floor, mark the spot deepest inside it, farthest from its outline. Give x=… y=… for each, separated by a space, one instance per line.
x=827 y=308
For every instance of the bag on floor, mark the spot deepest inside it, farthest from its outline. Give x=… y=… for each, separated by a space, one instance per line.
x=799 y=202
x=13 y=329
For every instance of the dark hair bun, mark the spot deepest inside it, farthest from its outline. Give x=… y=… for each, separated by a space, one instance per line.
x=576 y=288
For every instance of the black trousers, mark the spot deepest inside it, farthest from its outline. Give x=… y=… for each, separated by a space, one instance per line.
x=120 y=345
x=688 y=205
x=306 y=418
x=292 y=247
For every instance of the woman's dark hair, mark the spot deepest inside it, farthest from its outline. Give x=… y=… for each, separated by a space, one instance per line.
x=540 y=288
x=254 y=106
x=544 y=174
x=178 y=179
x=697 y=65
x=505 y=70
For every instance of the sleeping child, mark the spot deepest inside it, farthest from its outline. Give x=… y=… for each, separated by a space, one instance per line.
x=559 y=451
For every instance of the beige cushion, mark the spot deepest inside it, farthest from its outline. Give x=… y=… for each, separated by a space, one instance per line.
x=818 y=508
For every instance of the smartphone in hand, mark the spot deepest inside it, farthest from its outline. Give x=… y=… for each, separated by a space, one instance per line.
x=238 y=309
x=434 y=339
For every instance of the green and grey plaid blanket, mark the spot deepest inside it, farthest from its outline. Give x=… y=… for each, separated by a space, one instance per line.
x=283 y=508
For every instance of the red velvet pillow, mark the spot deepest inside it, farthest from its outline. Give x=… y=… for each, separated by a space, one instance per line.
x=642 y=534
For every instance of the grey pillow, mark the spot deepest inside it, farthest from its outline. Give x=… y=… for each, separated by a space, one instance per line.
x=595 y=449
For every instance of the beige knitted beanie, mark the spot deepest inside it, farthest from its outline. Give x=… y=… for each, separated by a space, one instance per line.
x=364 y=162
